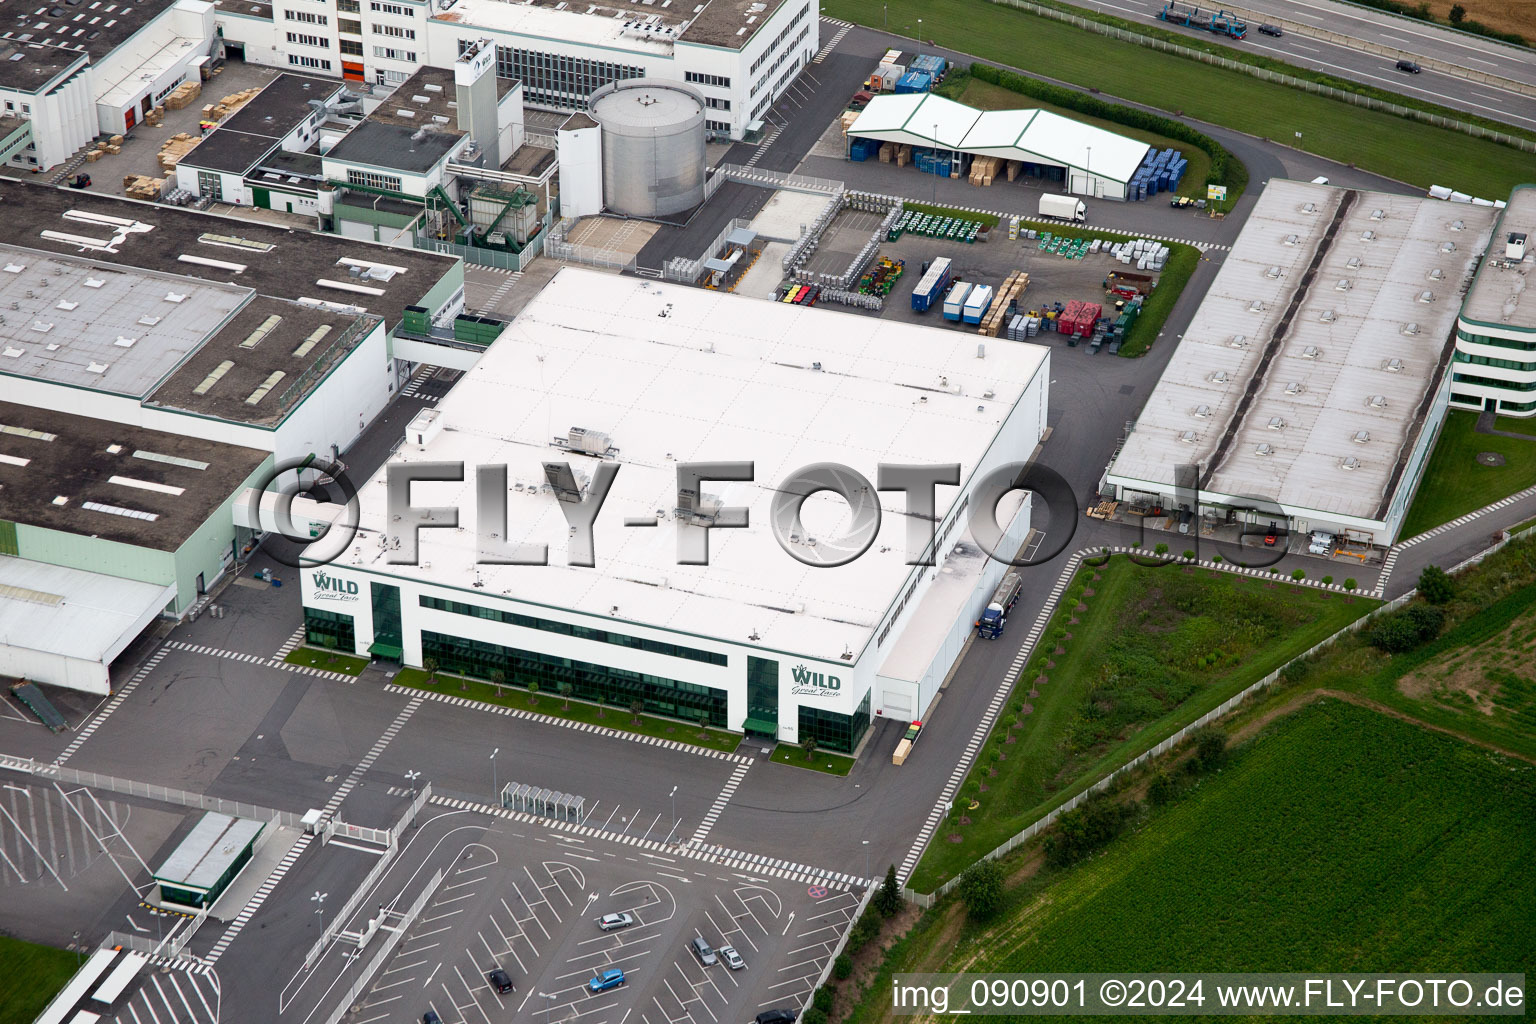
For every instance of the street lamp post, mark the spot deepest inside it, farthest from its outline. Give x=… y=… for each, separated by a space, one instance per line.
x=550 y=998
x=318 y=899
x=919 y=37
x=674 y=808
x=935 y=147
x=885 y=17
x=411 y=777
x=494 y=786
x=75 y=936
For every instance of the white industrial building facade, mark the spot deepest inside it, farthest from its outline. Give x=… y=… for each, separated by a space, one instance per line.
x=1495 y=362
x=756 y=640
x=740 y=53
x=1313 y=380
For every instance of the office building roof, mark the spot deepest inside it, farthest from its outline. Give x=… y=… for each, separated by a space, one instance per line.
x=31 y=66
x=269 y=260
x=396 y=147
x=1497 y=297
x=1309 y=368
x=248 y=135
x=80 y=475
x=210 y=849
x=625 y=26
x=675 y=374
x=96 y=26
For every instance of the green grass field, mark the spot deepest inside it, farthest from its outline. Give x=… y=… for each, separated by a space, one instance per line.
x=331 y=662
x=986 y=96
x=827 y=764
x=1339 y=840
x=32 y=975
x=1155 y=649
x=1455 y=483
x=555 y=706
x=1409 y=151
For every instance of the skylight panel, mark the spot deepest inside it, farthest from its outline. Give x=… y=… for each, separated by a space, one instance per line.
x=146 y=485
x=118 y=510
x=170 y=460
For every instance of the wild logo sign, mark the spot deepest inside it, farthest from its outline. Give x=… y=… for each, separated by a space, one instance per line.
x=814 y=684
x=332 y=588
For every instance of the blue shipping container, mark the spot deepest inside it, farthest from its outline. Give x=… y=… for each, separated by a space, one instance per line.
x=914 y=81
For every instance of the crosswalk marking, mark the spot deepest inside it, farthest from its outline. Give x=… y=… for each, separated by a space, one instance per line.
x=737 y=774
x=275 y=662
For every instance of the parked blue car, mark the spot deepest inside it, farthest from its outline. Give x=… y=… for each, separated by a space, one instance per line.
x=611 y=978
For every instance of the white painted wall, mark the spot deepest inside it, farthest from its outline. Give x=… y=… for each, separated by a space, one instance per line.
x=63 y=119
x=54 y=669
x=581 y=171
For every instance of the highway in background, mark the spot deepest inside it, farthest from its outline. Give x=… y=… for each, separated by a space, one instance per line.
x=1418 y=38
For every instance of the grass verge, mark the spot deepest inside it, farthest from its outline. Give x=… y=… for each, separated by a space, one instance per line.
x=1407 y=150
x=33 y=975
x=1132 y=655
x=556 y=706
x=827 y=764
x=1455 y=483
x=1183 y=260
x=1266 y=865
x=330 y=661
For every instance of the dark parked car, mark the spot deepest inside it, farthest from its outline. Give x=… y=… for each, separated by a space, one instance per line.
x=1408 y=66
x=1272 y=30
x=501 y=979
x=779 y=1016
x=431 y=1017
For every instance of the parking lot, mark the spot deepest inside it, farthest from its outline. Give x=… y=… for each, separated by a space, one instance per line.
x=525 y=899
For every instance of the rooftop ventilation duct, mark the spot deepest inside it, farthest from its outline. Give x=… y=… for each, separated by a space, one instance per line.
x=1350 y=463
x=1311 y=352
x=1362 y=436
x=1377 y=401
x=1264 y=449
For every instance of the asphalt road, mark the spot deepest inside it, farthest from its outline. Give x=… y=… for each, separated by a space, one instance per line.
x=1413 y=37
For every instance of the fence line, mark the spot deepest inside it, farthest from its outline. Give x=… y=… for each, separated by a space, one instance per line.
x=164 y=794
x=1329 y=91
x=392 y=940
x=762 y=177
x=837 y=951
x=681 y=268
x=497 y=258
x=926 y=900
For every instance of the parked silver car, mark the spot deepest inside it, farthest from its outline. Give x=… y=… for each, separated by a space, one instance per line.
x=613 y=922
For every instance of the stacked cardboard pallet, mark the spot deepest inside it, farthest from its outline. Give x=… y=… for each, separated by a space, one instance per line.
x=228 y=105
x=111 y=147
x=183 y=95
x=887 y=152
x=903 y=155
x=137 y=186
x=984 y=169
x=176 y=147
x=1013 y=287
x=1014 y=167
x=849 y=116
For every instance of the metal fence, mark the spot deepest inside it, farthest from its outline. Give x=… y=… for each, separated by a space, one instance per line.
x=688 y=271
x=164 y=794
x=391 y=940
x=496 y=258
x=926 y=900
x=556 y=247
x=764 y=178
x=1354 y=98
x=837 y=951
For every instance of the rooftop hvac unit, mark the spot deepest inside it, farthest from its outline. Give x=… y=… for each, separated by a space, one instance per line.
x=1327 y=316
x=1309 y=208
x=1436 y=274
x=1256 y=306
x=592 y=442
x=1311 y=352
x=1367 y=236
x=1189 y=437
x=1362 y=436
x=1426 y=296
x=1291 y=239
x=1264 y=449
x=1458 y=225
x=1219 y=377
x=1412 y=328
x=1377 y=401
x=1447 y=246
x=1342 y=285
x=1354 y=263
x=1393 y=365
x=1378 y=215
x=1514 y=246
x=1203 y=411
x=1350 y=463
x=1272 y=272
x=1238 y=341
x=1276 y=423
x=1294 y=388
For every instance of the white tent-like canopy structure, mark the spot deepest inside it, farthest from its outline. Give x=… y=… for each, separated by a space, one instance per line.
x=1097 y=162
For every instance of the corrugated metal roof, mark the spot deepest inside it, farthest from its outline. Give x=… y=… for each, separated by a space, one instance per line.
x=207 y=852
x=71 y=612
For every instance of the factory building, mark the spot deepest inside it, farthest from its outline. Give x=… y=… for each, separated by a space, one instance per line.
x=1313 y=380
x=1090 y=161
x=626 y=375
x=741 y=54
x=1495 y=362
x=73 y=72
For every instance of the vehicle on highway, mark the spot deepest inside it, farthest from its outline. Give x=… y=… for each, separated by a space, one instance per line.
x=611 y=978
x=501 y=979
x=1272 y=30
x=431 y=1017
x=782 y=1015
x=701 y=950
x=613 y=922
x=1408 y=66
x=732 y=958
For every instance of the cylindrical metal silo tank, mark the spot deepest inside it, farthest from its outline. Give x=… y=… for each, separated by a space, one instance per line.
x=653 y=146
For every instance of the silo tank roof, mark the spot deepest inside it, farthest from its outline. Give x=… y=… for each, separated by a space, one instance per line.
x=649 y=107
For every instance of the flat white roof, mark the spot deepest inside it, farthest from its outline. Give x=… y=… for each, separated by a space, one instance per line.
x=72 y=612
x=1351 y=373
x=214 y=843
x=105 y=326
x=675 y=374
x=1498 y=296
x=1038 y=136
x=572 y=25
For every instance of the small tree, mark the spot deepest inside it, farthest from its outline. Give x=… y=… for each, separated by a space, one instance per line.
x=1328 y=580
x=1161 y=549
x=1161 y=790
x=703 y=724
x=888 y=898
x=1210 y=748
x=981 y=889
x=498 y=680
x=1216 y=559
x=809 y=746
x=842 y=967
x=1458 y=14
x=823 y=998
x=533 y=693
x=1299 y=575
x=1189 y=556
x=1436 y=585
x=1349 y=584
x=636 y=706
x=429 y=666
x=566 y=689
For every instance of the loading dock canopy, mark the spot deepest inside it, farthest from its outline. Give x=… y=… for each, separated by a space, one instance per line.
x=1034 y=136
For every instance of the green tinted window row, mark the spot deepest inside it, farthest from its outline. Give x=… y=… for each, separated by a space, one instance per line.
x=329 y=629
x=832 y=730
x=601 y=636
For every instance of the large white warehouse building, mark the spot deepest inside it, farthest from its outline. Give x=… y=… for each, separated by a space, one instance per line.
x=756 y=640
x=739 y=53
